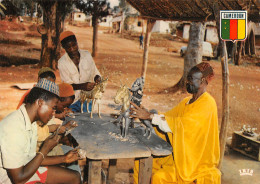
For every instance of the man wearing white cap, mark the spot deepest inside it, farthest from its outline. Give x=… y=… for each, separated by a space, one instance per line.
x=77 y=68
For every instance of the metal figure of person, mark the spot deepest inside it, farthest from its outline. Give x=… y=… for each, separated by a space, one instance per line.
x=137 y=91
x=124 y=96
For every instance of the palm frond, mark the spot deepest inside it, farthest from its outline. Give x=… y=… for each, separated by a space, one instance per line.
x=2 y=6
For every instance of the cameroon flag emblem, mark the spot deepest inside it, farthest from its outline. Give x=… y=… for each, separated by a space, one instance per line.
x=233 y=25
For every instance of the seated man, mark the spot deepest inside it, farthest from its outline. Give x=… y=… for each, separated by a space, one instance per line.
x=19 y=162
x=192 y=129
x=66 y=98
x=77 y=68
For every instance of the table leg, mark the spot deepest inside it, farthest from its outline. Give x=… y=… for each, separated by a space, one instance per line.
x=112 y=170
x=145 y=170
x=94 y=171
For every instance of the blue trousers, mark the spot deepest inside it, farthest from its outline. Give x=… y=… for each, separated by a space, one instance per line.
x=76 y=107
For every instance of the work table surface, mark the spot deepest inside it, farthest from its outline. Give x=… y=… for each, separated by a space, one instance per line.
x=101 y=139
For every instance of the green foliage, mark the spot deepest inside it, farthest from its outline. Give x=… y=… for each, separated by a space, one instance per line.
x=96 y=8
x=2 y=8
x=10 y=8
x=65 y=7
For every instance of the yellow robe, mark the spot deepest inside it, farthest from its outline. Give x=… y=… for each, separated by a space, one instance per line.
x=195 y=143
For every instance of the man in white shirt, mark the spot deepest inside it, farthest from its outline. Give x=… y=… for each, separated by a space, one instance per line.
x=19 y=162
x=77 y=68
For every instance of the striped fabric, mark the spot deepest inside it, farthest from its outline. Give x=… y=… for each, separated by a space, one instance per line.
x=48 y=85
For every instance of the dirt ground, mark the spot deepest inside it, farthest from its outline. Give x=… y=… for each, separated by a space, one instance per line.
x=120 y=60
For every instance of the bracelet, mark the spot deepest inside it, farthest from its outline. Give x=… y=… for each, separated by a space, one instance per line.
x=41 y=154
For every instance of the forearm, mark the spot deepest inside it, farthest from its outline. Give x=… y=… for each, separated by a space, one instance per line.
x=53 y=160
x=79 y=86
x=23 y=174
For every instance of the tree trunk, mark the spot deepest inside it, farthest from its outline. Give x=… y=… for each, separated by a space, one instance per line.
x=193 y=54
x=233 y=53
x=238 y=53
x=225 y=89
x=252 y=42
x=243 y=48
x=32 y=10
x=247 y=46
x=50 y=52
x=122 y=24
x=149 y=27
x=225 y=102
x=95 y=35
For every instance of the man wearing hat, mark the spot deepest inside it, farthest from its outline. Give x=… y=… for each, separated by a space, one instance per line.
x=19 y=161
x=192 y=129
x=66 y=98
x=77 y=68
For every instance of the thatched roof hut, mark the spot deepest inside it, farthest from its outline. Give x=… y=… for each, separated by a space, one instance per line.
x=193 y=10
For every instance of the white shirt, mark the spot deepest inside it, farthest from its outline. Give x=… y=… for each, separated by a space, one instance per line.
x=18 y=139
x=69 y=73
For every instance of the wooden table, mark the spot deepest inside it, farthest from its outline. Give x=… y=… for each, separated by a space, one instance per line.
x=240 y=142
x=101 y=139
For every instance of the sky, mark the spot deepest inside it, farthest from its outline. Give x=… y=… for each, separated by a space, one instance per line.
x=113 y=3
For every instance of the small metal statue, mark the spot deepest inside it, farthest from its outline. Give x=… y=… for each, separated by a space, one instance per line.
x=124 y=97
x=248 y=131
x=94 y=95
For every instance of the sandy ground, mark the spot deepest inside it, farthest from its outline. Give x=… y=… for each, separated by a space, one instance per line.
x=121 y=60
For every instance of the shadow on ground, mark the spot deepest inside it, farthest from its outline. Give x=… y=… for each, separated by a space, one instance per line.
x=6 y=61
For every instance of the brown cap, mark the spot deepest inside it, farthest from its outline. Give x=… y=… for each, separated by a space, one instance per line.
x=66 y=34
x=44 y=69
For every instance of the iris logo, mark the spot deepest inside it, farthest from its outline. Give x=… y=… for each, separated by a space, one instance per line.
x=233 y=25
x=246 y=172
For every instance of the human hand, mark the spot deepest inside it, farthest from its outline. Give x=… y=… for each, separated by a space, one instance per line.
x=139 y=112
x=60 y=115
x=49 y=143
x=67 y=110
x=71 y=156
x=97 y=79
x=71 y=124
x=62 y=130
x=89 y=86
x=65 y=113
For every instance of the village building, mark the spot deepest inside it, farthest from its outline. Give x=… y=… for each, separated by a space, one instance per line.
x=78 y=16
x=106 y=21
x=211 y=32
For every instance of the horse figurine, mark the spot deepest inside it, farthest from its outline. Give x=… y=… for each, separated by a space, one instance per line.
x=94 y=95
x=123 y=96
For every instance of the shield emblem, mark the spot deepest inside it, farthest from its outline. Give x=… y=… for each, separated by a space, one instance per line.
x=233 y=25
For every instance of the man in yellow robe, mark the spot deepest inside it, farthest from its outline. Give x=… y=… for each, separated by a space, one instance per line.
x=192 y=129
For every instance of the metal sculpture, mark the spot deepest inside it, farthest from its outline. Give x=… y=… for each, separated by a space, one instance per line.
x=94 y=95
x=123 y=96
